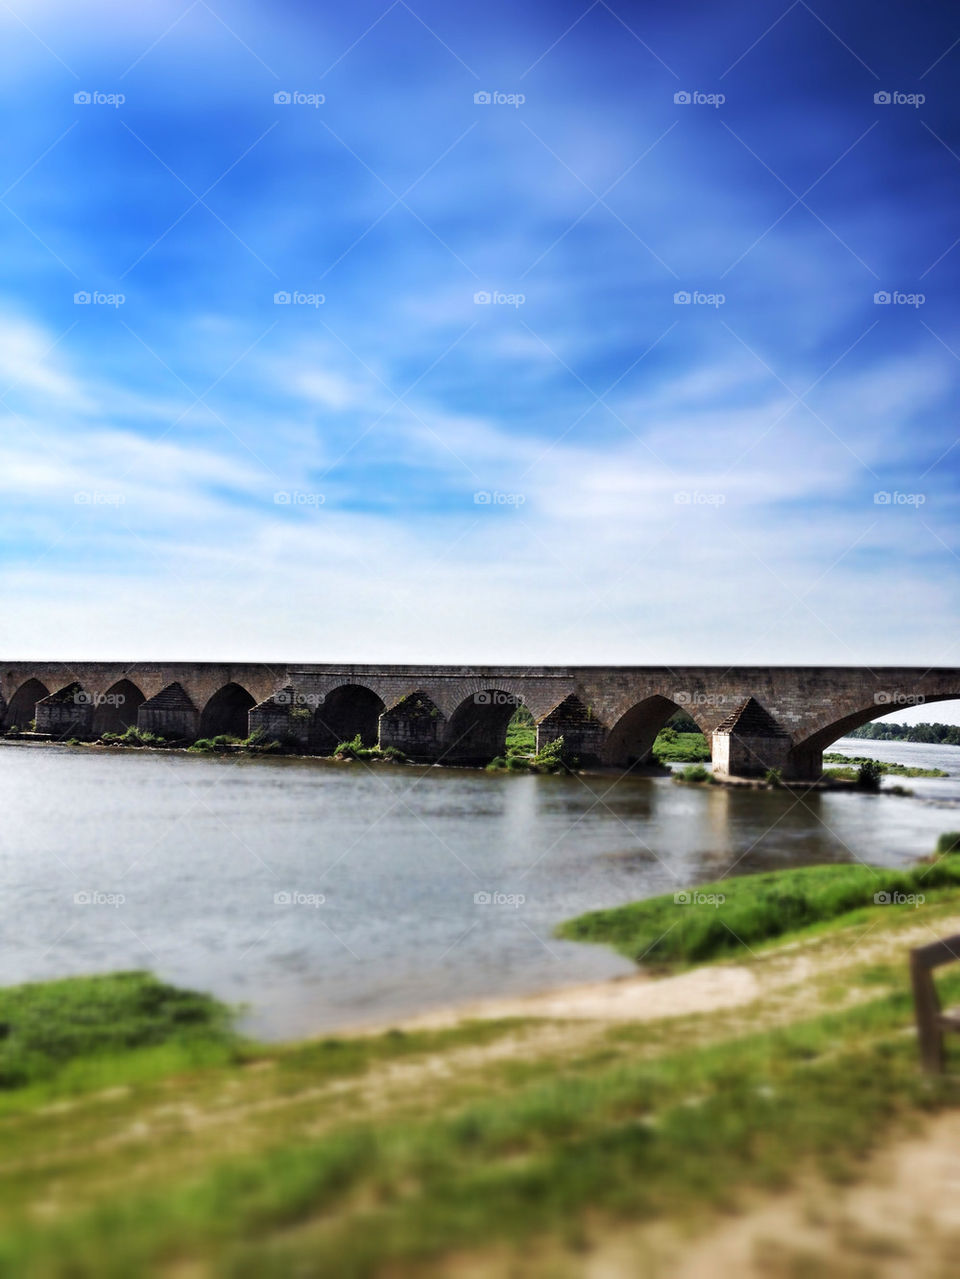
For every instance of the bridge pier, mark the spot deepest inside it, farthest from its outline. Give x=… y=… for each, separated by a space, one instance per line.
x=749 y=742
x=283 y=717
x=170 y=714
x=583 y=733
x=415 y=726
x=67 y=713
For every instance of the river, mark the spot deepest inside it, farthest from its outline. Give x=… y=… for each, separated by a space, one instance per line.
x=407 y=888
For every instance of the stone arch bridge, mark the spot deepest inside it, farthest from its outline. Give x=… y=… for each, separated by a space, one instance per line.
x=755 y=718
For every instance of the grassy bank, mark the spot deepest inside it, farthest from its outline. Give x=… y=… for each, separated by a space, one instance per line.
x=69 y=1033
x=853 y=763
x=733 y=914
x=499 y=1146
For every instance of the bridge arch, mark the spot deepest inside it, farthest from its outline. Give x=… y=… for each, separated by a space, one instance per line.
x=22 y=707
x=226 y=712
x=116 y=710
x=631 y=737
x=477 y=729
x=807 y=753
x=346 y=712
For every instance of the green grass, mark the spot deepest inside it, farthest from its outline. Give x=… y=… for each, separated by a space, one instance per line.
x=552 y=757
x=521 y=733
x=723 y=918
x=327 y=1158
x=48 y=1027
x=355 y=749
x=134 y=736
x=215 y=745
x=852 y=763
x=628 y=1138
x=672 y=747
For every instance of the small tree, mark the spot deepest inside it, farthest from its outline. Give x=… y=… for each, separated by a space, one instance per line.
x=869 y=774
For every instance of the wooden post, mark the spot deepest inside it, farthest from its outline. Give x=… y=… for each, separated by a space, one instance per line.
x=926 y=1002
x=926 y=1006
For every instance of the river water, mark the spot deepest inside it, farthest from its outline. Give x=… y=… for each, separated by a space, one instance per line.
x=323 y=896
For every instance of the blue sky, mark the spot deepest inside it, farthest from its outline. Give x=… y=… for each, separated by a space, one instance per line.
x=583 y=469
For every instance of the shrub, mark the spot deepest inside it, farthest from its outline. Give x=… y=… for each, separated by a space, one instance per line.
x=134 y=736
x=949 y=842
x=694 y=773
x=553 y=758
x=773 y=777
x=869 y=774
